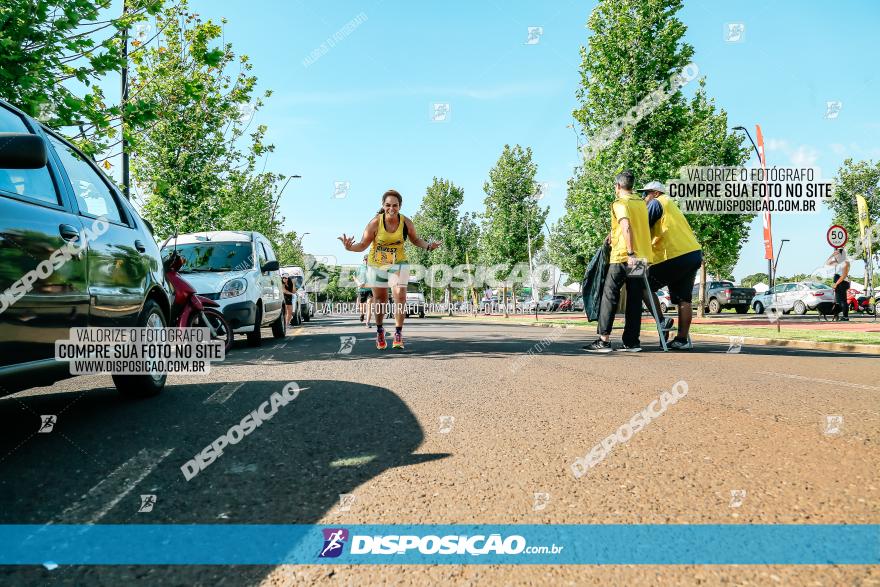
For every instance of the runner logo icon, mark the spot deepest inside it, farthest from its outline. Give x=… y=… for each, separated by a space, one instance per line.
x=334 y=541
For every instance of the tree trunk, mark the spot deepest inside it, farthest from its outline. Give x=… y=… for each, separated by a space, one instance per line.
x=504 y=300
x=702 y=296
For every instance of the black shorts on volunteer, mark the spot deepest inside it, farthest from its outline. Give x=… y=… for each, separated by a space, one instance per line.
x=364 y=294
x=678 y=274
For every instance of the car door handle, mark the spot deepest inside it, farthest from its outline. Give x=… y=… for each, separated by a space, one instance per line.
x=68 y=232
x=140 y=246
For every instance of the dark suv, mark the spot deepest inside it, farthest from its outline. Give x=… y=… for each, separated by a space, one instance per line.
x=51 y=197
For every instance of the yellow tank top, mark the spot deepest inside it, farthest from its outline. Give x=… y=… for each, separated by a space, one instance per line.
x=676 y=236
x=387 y=247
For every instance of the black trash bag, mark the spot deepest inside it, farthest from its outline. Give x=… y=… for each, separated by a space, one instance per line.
x=594 y=281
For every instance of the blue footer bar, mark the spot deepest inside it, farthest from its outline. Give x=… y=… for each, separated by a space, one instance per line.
x=606 y=544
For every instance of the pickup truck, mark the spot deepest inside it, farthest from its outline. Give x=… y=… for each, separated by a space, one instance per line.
x=721 y=295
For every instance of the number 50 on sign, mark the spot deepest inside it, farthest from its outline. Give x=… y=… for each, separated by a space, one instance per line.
x=837 y=236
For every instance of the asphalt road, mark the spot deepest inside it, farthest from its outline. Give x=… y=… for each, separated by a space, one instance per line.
x=461 y=427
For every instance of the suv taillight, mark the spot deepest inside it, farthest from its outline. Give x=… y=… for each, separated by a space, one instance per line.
x=727 y=292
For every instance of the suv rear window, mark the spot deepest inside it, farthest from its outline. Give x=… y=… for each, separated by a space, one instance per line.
x=206 y=257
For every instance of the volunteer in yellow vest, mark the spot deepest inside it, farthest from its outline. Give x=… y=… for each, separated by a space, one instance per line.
x=630 y=240
x=387 y=266
x=677 y=257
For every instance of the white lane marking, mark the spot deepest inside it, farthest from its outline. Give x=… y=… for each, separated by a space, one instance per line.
x=224 y=393
x=828 y=381
x=104 y=496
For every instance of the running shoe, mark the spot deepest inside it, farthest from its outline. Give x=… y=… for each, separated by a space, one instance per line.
x=398 y=341
x=598 y=346
x=680 y=345
x=629 y=349
x=380 y=340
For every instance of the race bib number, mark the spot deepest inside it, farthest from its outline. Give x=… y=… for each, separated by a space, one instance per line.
x=384 y=257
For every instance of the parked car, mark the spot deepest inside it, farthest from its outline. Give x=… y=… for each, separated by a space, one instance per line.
x=239 y=271
x=489 y=305
x=665 y=300
x=721 y=295
x=303 y=307
x=579 y=304
x=793 y=297
x=415 y=299
x=295 y=299
x=50 y=192
x=550 y=303
x=306 y=306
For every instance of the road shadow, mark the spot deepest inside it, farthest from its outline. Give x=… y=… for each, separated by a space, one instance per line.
x=333 y=437
x=504 y=341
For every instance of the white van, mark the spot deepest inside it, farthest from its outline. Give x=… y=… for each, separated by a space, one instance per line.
x=240 y=272
x=303 y=309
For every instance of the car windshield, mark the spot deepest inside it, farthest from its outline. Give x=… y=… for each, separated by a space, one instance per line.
x=814 y=285
x=206 y=257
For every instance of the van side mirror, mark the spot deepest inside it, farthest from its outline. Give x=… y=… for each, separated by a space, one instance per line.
x=270 y=266
x=22 y=151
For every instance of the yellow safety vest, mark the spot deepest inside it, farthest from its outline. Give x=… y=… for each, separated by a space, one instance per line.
x=676 y=237
x=387 y=248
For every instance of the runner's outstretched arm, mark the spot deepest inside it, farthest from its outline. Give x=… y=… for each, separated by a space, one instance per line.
x=416 y=240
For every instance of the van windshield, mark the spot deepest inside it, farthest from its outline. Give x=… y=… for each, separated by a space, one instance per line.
x=201 y=257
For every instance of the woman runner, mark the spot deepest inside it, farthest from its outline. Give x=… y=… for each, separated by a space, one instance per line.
x=387 y=264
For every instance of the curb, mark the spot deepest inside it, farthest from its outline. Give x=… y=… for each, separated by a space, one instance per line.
x=862 y=349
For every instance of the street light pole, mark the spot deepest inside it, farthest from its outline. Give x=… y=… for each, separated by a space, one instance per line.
x=278 y=197
x=770 y=267
x=778 y=253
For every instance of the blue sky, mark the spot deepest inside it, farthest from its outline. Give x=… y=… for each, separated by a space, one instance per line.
x=361 y=112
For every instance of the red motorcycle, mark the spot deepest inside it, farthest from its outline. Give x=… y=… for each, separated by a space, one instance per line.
x=192 y=310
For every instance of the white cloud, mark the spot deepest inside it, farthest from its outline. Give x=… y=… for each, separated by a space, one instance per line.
x=776 y=145
x=802 y=156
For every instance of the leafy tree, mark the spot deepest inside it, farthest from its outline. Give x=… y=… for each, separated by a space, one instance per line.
x=636 y=49
x=856 y=178
x=512 y=213
x=191 y=161
x=705 y=141
x=439 y=219
x=754 y=279
x=54 y=53
x=289 y=251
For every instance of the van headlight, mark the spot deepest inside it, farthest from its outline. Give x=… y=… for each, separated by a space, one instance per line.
x=233 y=288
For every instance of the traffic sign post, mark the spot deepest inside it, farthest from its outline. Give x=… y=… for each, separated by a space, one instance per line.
x=837 y=236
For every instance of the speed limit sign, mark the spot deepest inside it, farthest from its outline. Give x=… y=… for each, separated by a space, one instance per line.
x=837 y=236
